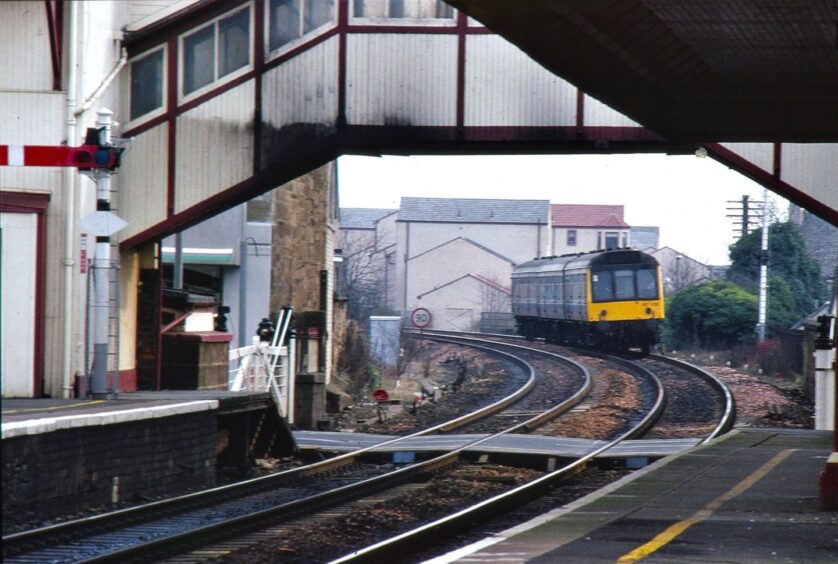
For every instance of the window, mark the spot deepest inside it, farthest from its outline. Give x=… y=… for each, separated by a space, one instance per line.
x=601 y=283
x=647 y=284
x=612 y=240
x=571 y=237
x=291 y=19
x=215 y=51
x=402 y=9
x=147 y=83
x=624 y=284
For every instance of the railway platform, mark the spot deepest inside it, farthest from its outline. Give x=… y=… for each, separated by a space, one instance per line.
x=32 y=416
x=62 y=456
x=750 y=496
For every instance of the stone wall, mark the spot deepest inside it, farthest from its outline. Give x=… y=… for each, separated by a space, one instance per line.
x=305 y=228
x=299 y=241
x=67 y=471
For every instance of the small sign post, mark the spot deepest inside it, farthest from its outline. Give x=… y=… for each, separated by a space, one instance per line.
x=420 y=317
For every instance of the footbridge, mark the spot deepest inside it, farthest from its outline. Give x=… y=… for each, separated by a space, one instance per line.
x=231 y=99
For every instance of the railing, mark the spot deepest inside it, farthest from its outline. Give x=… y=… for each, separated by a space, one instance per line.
x=267 y=366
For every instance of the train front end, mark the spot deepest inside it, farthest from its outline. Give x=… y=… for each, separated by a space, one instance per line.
x=625 y=299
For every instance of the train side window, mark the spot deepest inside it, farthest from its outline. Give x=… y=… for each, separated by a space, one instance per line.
x=602 y=286
x=646 y=284
x=624 y=284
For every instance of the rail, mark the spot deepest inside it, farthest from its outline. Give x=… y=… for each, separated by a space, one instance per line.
x=18 y=543
x=389 y=549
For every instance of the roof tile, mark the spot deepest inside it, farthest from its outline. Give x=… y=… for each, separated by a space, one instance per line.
x=587 y=215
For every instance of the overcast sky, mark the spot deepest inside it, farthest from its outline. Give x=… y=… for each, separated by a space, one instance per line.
x=686 y=197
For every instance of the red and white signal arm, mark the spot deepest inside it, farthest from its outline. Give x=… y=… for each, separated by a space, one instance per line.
x=420 y=317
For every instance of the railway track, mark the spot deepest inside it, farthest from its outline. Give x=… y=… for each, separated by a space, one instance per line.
x=487 y=512
x=196 y=525
x=147 y=532
x=698 y=404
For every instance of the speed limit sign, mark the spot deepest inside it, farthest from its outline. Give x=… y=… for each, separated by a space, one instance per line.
x=420 y=317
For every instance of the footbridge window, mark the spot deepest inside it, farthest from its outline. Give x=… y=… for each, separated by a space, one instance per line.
x=216 y=51
x=147 y=85
x=292 y=19
x=402 y=9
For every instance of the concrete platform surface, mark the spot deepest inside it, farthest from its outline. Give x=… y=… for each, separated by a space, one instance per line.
x=41 y=415
x=749 y=497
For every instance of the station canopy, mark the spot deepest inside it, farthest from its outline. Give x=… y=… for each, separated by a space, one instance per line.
x=709 y=71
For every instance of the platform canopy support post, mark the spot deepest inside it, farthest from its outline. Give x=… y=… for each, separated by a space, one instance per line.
x=826 y=399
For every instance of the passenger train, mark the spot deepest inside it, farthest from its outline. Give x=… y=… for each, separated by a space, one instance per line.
x=611 y=299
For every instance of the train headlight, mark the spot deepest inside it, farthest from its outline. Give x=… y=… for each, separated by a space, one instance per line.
x=603 y=314
x=648 y=311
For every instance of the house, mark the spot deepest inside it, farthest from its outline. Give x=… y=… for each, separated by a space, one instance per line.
x=449 y=250
x=645 y=237
x=679 y=271
x=367 y=254
x=578 y=228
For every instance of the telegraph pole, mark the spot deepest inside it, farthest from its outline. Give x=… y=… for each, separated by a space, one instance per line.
x=763 y=273
x=746 y=213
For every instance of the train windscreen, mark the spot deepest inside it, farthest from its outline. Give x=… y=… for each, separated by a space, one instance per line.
x=620 y=284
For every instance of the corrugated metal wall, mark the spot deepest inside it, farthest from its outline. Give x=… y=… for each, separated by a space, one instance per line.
x=303 y=89
x=504 y=87
x=24 y=42
x=759 y=154
x=143 y=181
x=812 y=167
x=402 y=79
x=598 y=114
x=214 y=146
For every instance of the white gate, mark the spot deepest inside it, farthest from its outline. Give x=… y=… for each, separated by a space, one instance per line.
x=267 y=367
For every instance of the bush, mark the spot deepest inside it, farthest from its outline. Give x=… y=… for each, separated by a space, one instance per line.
x=716 y=314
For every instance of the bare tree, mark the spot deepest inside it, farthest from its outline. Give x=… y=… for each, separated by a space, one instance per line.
x=354 y=362
x=495 y=305
x=494 y=296
x=363 y=276
x=683 y=272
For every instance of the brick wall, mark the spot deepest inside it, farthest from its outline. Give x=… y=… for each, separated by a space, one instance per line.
x=67 y=471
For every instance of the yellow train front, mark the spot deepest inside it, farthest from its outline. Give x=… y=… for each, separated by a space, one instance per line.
x=609 y=299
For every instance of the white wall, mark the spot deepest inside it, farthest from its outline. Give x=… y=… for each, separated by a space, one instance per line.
x=18 y=241
x=516 y=242
x=451 y=261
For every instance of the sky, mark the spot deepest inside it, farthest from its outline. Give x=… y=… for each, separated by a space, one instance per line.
x=685 y=196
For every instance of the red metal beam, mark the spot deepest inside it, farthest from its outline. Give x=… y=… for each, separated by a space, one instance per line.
x=49 y=155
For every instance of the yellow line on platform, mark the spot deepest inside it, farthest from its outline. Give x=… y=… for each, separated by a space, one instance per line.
x=93 y=402
x=673 y=531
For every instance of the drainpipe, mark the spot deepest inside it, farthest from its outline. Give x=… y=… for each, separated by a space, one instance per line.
x=70 y=206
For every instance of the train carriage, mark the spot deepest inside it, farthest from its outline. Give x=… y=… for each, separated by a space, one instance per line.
x=612 y=299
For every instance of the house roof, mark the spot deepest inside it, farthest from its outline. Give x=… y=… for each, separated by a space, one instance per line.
x=587 y=215
x=671 y=253
x=482 y=280
x=468 y=241
x=466 y=210
x=361 y=218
